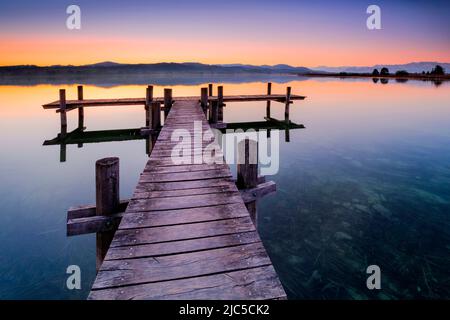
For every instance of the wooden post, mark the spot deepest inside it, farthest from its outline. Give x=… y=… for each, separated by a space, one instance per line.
x=210 y=89
x=107 y=200
x=220 y=103
x=247 y=167
x=63 y=114
x=288 y=102
x=148 y=101
x=214 y=112
x=80 y=109
x=204 y=99
x=269 y=92
x=167 y=101
x=156 y=115
x=247 y=171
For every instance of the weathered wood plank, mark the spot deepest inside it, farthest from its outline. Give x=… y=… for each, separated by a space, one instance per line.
x=182 y=216
x=114 y=273
x=180 y=232
x=183 y=192
x=183 y=202
x=184 y=176
x=183 y=246
x=257 y=283
x=180 y=185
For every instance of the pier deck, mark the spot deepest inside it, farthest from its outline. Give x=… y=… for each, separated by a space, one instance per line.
x=141 y=101
x=186 y=233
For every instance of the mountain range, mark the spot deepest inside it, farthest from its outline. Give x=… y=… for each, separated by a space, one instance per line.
x=109 y=68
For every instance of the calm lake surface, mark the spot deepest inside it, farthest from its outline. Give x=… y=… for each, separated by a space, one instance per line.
x=366 y=182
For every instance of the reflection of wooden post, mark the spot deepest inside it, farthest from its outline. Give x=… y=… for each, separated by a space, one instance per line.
x=148 y=101
x=220 y=103
x=247 y=171
x=210 y=89
x=269 y=92
x=214 y=112
x=167 y=101
x=204 y=99
x=107 y=200
x=80 y=109
x=288 y=102
x=287 y=136
x=62 y=152
x=63 y=114
x=156 y=115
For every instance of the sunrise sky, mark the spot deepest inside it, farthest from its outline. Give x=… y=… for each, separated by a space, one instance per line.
x=300 y=33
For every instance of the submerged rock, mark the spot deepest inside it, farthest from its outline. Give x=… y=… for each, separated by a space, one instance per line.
x=342 y=236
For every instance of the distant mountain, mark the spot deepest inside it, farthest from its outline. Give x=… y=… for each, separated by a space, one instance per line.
x=283 y=68
x=109 y=67
x=413 y=67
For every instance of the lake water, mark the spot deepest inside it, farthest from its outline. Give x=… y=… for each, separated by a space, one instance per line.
x=367 y=182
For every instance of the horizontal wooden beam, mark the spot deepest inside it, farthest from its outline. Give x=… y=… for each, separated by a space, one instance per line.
x=93 y=224
x=73 y=104
x=261 y=190
x=90 y=210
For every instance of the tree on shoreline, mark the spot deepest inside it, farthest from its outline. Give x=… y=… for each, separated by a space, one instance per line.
x=375 y=72
x=438 y=70
x=384 y=71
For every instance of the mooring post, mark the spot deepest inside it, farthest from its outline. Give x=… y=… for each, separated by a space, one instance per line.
x=156 y=115
x=269 y=92
x=247 y=170
x=148 y=101
x=214 y=112
x=107 y=200
x=167 y=101
x=80 y=109
x=288 y=102
x=220 y=103
x=63 y=114
x=204 y=99
x=210 y=89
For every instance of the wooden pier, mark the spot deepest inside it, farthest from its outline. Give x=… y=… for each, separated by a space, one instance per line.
x=188 y=232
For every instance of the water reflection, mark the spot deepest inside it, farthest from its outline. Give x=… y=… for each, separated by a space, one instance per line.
x=367 y=183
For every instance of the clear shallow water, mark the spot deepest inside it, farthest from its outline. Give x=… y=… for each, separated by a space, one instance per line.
x=366 y=182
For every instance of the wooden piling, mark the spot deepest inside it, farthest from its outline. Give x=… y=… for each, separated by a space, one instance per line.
x=288 y=102
x=80 y=109
x=220 y=103
x=156 y=115
x=247 y=171
x=63 y=114
x=269 y=92
x=204 y=99
x=214 y=112
x=107 y=200
x=210 y=89
x=148 y=101
x=247 y=167
x=167 y=101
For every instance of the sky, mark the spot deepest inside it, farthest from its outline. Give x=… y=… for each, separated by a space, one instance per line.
x=299 y=33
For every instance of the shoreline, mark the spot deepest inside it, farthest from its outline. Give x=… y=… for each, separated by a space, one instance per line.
x=413 y=76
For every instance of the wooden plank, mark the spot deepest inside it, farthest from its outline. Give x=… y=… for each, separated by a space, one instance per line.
x=141 y=101
x=185 y=192
x=257 y=283
x=93 y=224
x=183 y=202
x=180 y=185
x=182 y=216
x=183 y=246
x=185 y=176
x=115 y=273
x=180 y=232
